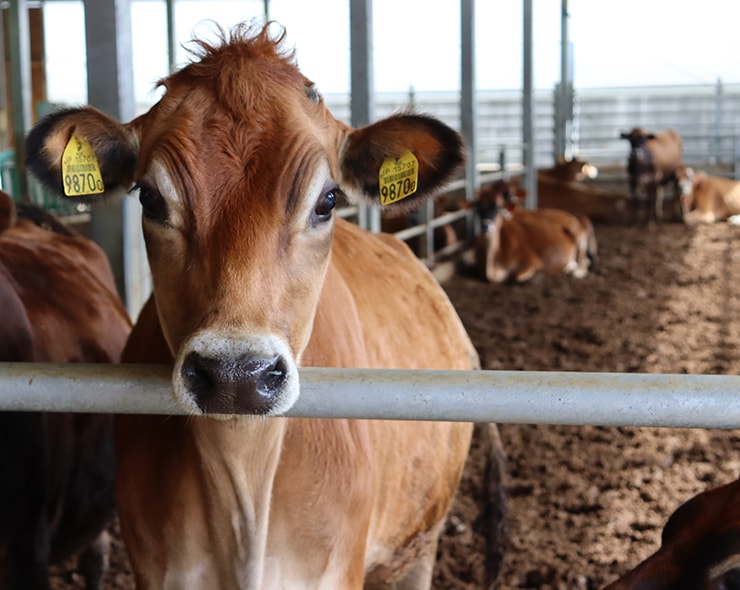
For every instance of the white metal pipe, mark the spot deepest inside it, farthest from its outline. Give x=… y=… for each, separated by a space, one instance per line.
x=608 y=399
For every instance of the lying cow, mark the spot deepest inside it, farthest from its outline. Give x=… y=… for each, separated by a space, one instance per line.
x=238 y=169
x=700 y=547
x=59 y=305
x=651 y=165
x=573 y=170
x=516 y=243
x=562 y=186
x=706 y=199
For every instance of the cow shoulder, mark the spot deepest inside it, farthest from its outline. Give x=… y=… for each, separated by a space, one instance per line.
x=385 y=282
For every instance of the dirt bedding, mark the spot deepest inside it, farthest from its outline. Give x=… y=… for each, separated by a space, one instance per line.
x=586 y=503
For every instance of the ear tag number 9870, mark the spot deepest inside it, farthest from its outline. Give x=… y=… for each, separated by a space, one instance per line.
x=398 y=178
x=80 y=169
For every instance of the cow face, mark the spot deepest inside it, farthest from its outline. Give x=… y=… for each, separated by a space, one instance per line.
x=492 y=201
x=687 y=179
x=637 y=137
x=238 y=169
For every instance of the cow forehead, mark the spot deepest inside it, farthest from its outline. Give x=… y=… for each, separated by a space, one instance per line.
x=242 y=118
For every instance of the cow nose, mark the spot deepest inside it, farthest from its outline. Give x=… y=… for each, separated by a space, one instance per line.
x=244 y=385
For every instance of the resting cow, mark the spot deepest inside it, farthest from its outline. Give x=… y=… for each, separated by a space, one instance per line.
x=573 y=170
x=700 y=547
x=706 y=199
x=59 y=305
x=562 y=186
x=238 y=168
x=516 y=243
x=651 y=165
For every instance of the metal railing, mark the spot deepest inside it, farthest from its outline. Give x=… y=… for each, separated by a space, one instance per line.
x=524 y=397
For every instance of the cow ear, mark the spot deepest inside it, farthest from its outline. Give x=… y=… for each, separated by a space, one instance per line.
x=81 y=152
x=399 y=162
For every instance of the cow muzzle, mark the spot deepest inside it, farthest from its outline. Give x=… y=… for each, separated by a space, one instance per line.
x=219 y=375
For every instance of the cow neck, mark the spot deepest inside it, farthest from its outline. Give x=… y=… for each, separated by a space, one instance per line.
x=238 y=459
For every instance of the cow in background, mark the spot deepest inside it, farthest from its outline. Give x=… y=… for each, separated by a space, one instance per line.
x=565 y=186
x=706 y=199
x=651 y=165
x=515 y=243
x=59 y=305
x=573 y=170
x=700 y=547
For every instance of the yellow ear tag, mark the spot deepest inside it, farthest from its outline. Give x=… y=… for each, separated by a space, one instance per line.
x=398 y=178
x=80 y=169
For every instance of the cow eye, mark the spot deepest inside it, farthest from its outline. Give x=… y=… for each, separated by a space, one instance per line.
x=154 y=206
x=325 y=205
x=312 y=93
x=731 y=580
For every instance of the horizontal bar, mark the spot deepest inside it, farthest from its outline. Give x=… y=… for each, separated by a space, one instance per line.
x=607 y=399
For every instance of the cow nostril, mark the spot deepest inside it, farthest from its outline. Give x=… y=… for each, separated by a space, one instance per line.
x=246 y=385
x=273 y=378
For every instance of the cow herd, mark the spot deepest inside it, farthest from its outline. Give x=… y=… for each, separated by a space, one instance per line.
x=514 y=244
x=238 y=169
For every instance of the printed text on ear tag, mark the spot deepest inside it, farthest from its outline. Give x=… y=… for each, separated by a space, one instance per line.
x=80 y=170
x=398 y=178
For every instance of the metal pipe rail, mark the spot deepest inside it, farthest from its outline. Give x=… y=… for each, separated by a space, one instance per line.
x=606 y=399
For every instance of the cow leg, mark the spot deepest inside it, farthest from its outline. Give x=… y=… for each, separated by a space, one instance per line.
x=25 y=561
x=637 y=206
x=657 y=199
x=24 y=534
x=92 y=563
x=419 y=575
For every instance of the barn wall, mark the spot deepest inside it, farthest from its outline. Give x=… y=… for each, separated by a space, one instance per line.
x=707 y=117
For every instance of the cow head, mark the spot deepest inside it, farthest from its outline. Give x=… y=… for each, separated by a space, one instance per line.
x=573 y=169
x=637 y=137
x=493 y=200
x=687 y=179
x=238 y=169
x=700 y=547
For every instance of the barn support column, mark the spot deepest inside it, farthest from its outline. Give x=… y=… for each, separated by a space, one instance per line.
x=20 y=69
x=530 y=174
x=171 y=36
x=564 y=90
x=116 y=224
x=468 y=100
x=362 y=81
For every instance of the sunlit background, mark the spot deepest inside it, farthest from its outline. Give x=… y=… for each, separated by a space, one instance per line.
x=417 y=43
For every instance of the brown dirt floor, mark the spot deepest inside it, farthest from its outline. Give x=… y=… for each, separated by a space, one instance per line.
x=586 y=503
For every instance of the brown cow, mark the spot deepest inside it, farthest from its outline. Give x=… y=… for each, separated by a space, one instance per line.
x=516 y=243
x=59 y=305
x=706 y=199
x=700 y=547
x=573 y=170
x=238 y=168
x=651 y=165
x=562 y=186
